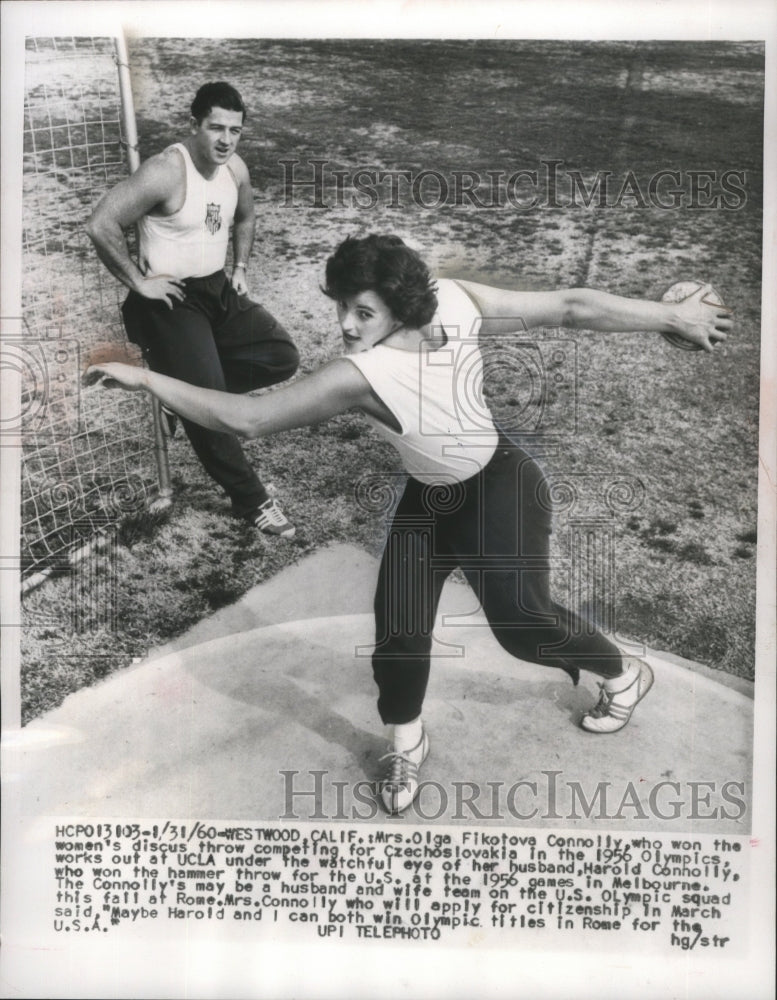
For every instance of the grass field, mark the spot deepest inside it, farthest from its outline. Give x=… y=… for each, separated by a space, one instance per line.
x=681 y=426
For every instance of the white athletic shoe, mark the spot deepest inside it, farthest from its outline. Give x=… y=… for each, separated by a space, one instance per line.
x=270 y=519
x=618 y=698
x=400 y=786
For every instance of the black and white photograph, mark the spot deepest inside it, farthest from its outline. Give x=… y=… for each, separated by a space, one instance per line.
x=388 y=500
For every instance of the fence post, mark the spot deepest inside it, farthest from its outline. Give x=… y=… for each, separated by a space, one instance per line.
x=133 y=160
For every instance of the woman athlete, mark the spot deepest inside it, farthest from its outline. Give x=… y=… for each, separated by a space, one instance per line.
x=411 y=355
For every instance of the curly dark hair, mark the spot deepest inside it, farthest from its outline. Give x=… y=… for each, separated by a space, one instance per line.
x=387 y=266
x=216 y=95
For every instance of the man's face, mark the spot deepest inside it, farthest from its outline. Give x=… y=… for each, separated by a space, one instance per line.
x=217 y=135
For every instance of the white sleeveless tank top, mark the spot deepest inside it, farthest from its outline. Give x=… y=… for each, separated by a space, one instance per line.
x=191 y=242
x=436 y=395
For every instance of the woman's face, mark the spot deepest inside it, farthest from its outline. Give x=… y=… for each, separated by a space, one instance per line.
x=365 y=320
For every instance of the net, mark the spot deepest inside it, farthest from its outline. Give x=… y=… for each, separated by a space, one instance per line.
x=88 y=455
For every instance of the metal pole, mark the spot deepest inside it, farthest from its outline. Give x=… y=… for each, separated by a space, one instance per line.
x=133 y=160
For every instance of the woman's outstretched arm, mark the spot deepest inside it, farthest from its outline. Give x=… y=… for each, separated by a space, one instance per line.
x=333 y=389
x=505 y=311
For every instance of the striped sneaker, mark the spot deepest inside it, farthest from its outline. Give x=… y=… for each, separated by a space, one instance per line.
x=270 y=519
x=618 y=698
x=400 y=786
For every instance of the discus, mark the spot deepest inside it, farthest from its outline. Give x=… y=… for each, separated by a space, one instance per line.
x=678 y=292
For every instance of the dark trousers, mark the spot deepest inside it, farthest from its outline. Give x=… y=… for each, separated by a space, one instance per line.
x=218 y=340
x=496 y=527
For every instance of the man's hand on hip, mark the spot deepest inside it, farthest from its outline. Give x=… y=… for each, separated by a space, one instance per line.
x=162 y=287
x=239 y=279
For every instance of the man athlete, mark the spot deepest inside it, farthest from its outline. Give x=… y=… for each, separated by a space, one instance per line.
x=191 y=321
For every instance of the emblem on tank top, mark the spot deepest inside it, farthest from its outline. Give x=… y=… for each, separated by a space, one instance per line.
x=213 y=218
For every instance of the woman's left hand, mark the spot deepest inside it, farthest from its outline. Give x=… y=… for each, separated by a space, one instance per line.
x=114 y=374
x=700 y=320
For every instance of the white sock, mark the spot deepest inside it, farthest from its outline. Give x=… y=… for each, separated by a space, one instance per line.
x=408 y=735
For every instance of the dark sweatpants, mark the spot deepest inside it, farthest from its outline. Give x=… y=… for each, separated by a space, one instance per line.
x=218 y=340
x=496 y=529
